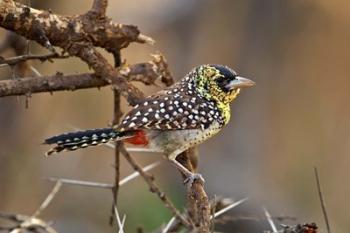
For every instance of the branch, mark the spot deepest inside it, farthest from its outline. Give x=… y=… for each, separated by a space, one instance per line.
x=116 y=119
x=323 y=204
x=22 y=58
x=48 y=199
x=76 y=36
x=154 y=188
x=198 y=202
x=147 y=73
x=62 y=31
x=103 y=185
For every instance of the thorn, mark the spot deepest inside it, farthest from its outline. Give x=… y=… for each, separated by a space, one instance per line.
x=270 y=220
x=146 y=39
x=168 y=225
x=227 y=208
x=35 y=71
x=323 y=204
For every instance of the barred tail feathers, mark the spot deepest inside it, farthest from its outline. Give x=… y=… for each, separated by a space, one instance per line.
x=81 y=139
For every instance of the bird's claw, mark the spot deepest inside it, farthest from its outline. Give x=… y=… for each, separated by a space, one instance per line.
x=192 y=178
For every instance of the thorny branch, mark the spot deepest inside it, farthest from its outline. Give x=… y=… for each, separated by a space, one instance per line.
x=117 y=114
x=198 y=201
x=146 y=73
x=76 y=35
x=23 y=58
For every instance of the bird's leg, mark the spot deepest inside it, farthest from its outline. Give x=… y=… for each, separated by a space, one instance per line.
x=190 y=176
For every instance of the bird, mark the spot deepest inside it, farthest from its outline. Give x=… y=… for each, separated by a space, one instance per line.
x=172 y=120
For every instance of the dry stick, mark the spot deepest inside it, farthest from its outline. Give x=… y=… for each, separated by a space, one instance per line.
x=48 y=199
x=168 y=225
x=116 y=118
x=23 y=58
x=323 y=205
x=154 y=188
x=270 y=221
x=60 y=30
x=229 y=207
x=119 y=223
x=104 y=185
x=57 y=30
x=146 y=73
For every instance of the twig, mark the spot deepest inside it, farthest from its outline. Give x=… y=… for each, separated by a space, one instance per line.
x=82 y=183
x=35 y=71
x=104 y=185
x=323 y=204
x=48 y=199
x=146 y=73
x=119 y=223
x=154 y=188
x=270 y=220
x=117 y=114
x=168 y=225
x=58 y=31
x=23 y=58
x=59 y=28
x=233 y=205
x=136 y=173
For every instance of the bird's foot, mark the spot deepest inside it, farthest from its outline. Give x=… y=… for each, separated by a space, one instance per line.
x=192 y=177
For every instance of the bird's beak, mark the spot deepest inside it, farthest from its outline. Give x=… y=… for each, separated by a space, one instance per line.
x=240 y=82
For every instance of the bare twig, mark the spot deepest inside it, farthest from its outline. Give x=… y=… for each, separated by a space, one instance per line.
x=59 y=31
x=104 y=185
x=233 y=205
x=323 y=204
x=168 y=225
x=119 y=222
x=23 y=58
x=154 y=188
x=35 y=71
x=270 y=220
x=136 y=173
x=48 y=199
x=147 y=73
x=81 y=183
x=62 y=30
x=117 y=114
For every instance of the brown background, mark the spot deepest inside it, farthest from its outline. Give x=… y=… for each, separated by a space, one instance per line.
x=297 y=115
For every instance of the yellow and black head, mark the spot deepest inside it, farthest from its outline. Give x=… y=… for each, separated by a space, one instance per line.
x=219 y=83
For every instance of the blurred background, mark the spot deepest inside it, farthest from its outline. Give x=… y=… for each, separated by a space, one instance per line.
x=295 y=118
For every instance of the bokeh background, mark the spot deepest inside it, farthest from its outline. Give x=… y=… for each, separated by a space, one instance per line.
x=295 y=118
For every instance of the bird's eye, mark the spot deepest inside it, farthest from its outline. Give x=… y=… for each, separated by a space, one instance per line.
x=225 y=77
x=222 y=82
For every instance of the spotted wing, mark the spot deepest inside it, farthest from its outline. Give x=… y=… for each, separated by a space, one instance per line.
x=171 y=112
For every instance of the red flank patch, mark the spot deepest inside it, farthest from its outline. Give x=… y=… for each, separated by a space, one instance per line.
x=139 y=139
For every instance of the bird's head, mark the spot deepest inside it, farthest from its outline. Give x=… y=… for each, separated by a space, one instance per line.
x=219 y=83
